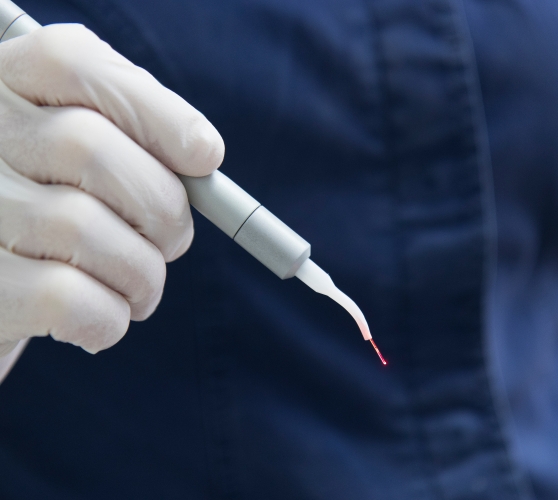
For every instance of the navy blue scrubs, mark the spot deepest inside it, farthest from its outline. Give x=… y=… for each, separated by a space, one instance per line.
x=414 y=144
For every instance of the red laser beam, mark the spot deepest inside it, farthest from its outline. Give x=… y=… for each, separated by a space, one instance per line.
x=384 y=362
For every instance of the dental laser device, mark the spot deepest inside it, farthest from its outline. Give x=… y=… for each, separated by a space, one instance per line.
x=234 y=211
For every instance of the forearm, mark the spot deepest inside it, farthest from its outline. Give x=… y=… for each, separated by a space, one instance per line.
x=9 y=360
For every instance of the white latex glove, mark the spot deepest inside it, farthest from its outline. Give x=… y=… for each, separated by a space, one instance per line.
x=90 y=209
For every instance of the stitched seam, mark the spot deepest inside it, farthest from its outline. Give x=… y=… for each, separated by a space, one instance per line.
x=425 y=458
x=480 y=136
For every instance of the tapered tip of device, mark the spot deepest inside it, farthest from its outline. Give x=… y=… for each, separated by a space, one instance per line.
x=382 y=359
x=319 y=281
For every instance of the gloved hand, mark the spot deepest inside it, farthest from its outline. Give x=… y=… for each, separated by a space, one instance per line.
x=90 y=209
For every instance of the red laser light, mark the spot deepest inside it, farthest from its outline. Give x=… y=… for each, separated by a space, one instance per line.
x=384 y=362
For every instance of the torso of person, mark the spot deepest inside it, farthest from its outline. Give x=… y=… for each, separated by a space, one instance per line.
x=414 y=145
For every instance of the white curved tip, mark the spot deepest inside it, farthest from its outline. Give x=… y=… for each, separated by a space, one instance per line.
x=319 y=281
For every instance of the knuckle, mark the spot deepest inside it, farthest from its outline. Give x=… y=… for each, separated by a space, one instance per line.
x=82 y=311
x=79 y=135
x=150 y=283
x=151 y=274
x=73 y=213
x=182 y=243
x=173 y=208
x=64 y=48
x=167 y=213
x=58 y=288
x=58 y=293
x=47 y=43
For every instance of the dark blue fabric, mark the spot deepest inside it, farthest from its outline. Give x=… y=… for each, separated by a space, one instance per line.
x=516 y=49
x=362 y=125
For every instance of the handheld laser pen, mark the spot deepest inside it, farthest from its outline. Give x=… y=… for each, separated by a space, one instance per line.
x=234 y=211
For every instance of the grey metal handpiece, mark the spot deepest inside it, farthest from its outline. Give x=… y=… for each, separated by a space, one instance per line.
x=215 y=196
x=252 y=226
x=14 y=22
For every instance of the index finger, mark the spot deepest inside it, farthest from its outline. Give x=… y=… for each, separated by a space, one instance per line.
x=61 y=65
